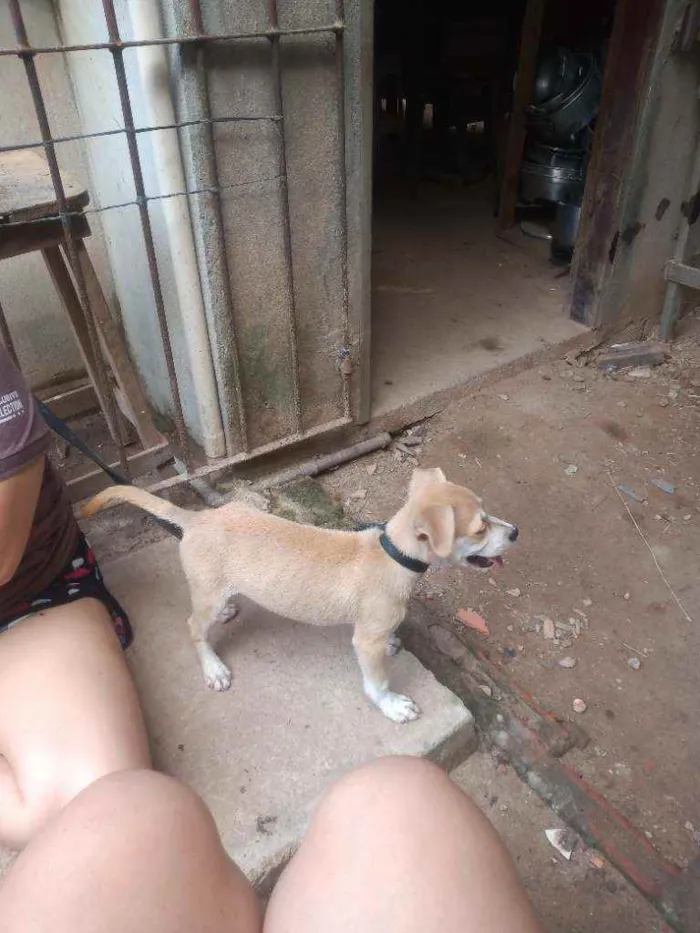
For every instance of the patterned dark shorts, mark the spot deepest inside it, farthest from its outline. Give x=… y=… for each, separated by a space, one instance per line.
x=80 y=578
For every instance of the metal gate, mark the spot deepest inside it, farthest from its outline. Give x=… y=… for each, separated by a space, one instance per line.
x=259 y=107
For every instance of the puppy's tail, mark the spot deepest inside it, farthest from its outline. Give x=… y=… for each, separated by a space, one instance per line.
x=161 y=508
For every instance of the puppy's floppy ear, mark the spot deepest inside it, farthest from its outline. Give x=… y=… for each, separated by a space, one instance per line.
x=422 y=478
x=436 y=523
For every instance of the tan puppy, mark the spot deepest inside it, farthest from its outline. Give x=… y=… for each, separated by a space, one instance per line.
x=323 y=577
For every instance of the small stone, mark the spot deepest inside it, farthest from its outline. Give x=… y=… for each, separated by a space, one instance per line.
x=626 y=597
x=358 y=494
x=577 y=377
x=514 y=592
x=485 y=689
x=663 y=485
x=579 y=706
x=634 y=663
x=663 y=403
x=371 y=469
x=492 y=581
x=563 y=840
x=504 y=398
x=587 y=602
x=686 y=518
x=548 y=628
x=571 y=469
x=622 y=404
x=567 y=662
x=631 y=493
x=639 y=372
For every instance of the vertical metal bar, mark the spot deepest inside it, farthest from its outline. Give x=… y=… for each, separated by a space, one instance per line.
x=208 y=178
x=120 y=71
x=6 y=338
x=286 y=216
x=104 y=389
x=345 y=370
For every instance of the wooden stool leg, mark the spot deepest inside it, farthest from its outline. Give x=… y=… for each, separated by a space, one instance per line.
x=131 y=398
x=64 y=286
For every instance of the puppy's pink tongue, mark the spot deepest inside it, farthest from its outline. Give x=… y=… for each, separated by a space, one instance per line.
x=498 y=561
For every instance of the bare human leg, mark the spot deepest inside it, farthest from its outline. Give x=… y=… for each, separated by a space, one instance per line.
x=135 y=851
x=69 y=714
x=396 y=847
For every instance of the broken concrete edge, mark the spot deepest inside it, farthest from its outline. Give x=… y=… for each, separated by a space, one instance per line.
x=529 y=743
x=448 y=754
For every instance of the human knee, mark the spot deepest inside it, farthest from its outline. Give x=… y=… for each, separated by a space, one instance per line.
x=400 y=784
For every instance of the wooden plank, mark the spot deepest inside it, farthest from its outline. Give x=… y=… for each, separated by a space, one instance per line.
x=636 y=24
x=65 y=288
x=73 y=402
x=525 y=82
x=133 y=400
x=18 y=239
x=142 y=462
x=26 y=190
x=682 y=274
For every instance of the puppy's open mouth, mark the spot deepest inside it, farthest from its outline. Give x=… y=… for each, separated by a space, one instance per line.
x=484 y=562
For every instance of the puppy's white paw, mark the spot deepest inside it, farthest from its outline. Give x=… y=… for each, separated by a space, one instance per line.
x=216 y=674
x=393 y=645
x=399 y=708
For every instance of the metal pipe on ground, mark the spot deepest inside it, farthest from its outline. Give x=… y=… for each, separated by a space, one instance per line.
x=329 y=462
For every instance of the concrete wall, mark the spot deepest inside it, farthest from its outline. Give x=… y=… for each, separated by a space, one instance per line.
x=38 y=323
x=249 y=158
x=652 y=207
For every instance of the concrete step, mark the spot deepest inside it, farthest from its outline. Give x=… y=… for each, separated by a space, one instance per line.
x=294 y=720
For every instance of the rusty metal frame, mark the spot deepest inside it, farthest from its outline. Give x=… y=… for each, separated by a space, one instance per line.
x=197 y=37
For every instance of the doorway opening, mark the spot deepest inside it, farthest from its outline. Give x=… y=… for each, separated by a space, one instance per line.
x=452 y=295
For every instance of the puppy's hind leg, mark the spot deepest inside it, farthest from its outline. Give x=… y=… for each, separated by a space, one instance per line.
x=216 y=675
x=371 y=654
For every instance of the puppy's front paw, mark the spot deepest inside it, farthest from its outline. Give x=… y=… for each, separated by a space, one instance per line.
x=393 y=645
x=399 y=708
x=217 y=676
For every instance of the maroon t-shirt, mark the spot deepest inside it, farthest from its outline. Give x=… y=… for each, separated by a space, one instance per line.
x=24 y=436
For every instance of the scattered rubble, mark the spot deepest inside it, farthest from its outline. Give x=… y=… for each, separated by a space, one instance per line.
x=623 y=355
x=515 y=592
x=563 y=840
x=567 y=662
x=630 y=493
x=571 y=469
x=472 y=620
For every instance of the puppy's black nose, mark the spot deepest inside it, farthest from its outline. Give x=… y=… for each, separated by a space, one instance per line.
x=513 y=536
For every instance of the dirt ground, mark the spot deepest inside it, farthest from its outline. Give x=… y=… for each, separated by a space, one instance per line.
x=583 y=895
x=547 y=450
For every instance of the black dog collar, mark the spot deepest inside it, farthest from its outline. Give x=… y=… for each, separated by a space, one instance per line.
x=408 y=563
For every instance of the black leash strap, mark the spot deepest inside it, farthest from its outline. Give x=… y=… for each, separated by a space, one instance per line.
x=62 y=429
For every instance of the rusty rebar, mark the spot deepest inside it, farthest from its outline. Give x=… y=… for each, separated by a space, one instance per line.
x=274 y=38
x=117 y=44
x=345 y=374
x=103 y=387
x=6 y=337
x=254 y=118
x=208 y=166
x=117 y=49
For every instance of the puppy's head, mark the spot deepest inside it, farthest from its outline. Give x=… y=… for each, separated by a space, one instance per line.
x=452 y=521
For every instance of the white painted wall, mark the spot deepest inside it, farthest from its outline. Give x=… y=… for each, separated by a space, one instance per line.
x=97 y=97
